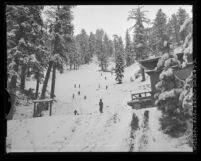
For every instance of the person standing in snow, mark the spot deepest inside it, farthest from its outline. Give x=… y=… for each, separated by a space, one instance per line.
x=75 y=112
x=101 y=106
x=79 y=85
x=73 y=95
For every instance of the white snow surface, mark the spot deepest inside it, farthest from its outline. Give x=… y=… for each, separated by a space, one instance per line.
x=90 y=131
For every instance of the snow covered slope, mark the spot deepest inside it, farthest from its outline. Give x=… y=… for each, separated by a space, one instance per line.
x=90 y=130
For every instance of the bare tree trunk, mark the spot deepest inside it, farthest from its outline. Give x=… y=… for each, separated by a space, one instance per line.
x=53 y=81
x=37 y=86
x=46 y=80
x=12 y=91
x=12 y=109
x=13 y=81
x=42 y=106
x=23 y=76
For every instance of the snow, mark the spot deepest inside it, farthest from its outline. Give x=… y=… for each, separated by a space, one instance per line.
x=177 y=50
x=185 y=24
x=90 y=130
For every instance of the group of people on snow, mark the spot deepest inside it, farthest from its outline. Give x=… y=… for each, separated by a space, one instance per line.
x=100 y=101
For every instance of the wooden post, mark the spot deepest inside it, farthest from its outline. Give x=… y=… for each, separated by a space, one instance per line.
x=34 y=109
x=49 y=101
x=50 y=108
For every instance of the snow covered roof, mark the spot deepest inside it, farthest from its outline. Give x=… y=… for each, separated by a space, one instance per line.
x=151 y=63
x=149 y=59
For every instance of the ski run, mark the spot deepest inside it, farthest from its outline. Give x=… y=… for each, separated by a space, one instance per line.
x=90 y=131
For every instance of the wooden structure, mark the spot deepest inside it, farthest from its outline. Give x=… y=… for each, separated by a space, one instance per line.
x=150 y=68
x=49 y=101
x=140 y=100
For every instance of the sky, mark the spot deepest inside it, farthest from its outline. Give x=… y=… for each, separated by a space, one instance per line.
x=113 y=18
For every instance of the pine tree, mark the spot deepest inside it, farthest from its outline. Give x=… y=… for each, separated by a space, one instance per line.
x=186 y=97
x=151 y=41
x=160 y=30
x=92 y=44
x=111 y=48
x=116 y=45
x=59 y=32
x=63 y=32
x=25 y=44
x=99 y=40
x=188 y=43
x=167 y=99
x=105 y=55
x=175 y=29
x=83 y=41
x=104 y=48
x=74 y=55
x=119 y=60
x=140 y=41
x=77 y=56
x=128 y=50
x=182 y=15
x=25 y=32
x=99 y=46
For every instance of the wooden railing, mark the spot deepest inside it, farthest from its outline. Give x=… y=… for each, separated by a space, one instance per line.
x=40 y=101
x=141 y=95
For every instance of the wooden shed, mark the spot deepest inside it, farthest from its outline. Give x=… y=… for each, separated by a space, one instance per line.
x=150 y=68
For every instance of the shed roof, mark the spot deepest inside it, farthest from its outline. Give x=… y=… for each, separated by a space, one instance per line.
x=151 y=63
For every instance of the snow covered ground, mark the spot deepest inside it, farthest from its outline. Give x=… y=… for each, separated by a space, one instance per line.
x=90 y=131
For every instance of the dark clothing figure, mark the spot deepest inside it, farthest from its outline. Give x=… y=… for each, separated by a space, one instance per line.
x=74 y=85
x=106 y=87
x=75 y=112
x=85 y=97
x=73 y=95
x=101 y=74
x=78 y=93
x=101 y=106
x=105 y=78
x=79 y=85
x=99 y=86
